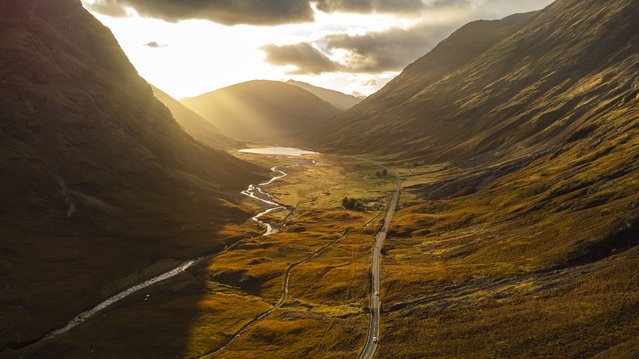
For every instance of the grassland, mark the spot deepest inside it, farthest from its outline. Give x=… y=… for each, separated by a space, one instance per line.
x=531 y=257
x=201 y=310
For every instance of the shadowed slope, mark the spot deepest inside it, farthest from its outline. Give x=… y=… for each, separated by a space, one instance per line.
x=194 y=124
x=97 y=180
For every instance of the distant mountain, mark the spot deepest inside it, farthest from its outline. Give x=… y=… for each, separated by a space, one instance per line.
x=97 y=180
x=339 y=100
x=526 y=82
x=201 y=129
x=263 y=111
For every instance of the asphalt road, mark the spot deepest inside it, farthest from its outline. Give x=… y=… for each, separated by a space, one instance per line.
x=376 y=303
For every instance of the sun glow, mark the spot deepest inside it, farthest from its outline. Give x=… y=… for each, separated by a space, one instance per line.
x=191 y=57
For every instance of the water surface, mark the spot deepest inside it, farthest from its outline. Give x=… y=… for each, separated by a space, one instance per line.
x=284 y=151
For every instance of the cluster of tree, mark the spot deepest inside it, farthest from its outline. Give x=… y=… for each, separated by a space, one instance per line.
x=383 y=173
x=352 y=204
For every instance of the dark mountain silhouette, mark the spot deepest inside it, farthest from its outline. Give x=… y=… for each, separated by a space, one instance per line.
x=97 y=180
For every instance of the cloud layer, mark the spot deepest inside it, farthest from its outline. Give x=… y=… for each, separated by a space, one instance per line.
x=370 y=6
x=374 y=52
x=305 y=57
x=227 y=12
x=256 y=12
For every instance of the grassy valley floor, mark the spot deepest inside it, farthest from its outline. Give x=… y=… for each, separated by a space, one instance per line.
x=530 y=257
x=324 y=248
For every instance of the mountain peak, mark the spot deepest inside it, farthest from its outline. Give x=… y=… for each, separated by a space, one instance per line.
x=338 y=99
x=263 y=111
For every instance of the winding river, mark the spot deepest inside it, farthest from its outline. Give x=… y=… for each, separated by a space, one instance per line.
x=253 y=191
x=256 y=192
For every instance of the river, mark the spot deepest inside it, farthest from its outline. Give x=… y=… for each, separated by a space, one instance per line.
x=253 y=191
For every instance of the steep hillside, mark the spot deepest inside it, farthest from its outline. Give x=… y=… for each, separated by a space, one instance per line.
x=97 y=180
x=518 y=229
x=339 y=100
x=194 y=124
x=263 y=111
x=525 y=82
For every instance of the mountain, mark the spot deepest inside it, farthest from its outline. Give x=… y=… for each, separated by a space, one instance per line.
x=194 y=124
x=517 y=142
x=527 y=82
x=263 y=111
x=339 y=100
x=97 y=180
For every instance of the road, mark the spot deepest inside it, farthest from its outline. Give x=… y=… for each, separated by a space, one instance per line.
x=376 y=303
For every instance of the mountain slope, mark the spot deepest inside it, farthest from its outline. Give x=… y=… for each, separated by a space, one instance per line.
x=532 y=81
x=97 y=180
x=520 y=208
x=263 y=111
x=194 y=124
x=339 y=100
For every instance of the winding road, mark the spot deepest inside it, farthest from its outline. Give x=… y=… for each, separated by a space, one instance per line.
x=376 y=303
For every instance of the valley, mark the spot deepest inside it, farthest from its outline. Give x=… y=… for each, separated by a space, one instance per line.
x=481 y=202
x=314 y=269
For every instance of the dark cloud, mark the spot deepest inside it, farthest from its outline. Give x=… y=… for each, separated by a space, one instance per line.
x=107 y=8
x=370 y=6
x=155 y=45
x=389 y=50
x=227 y=12
x=375 y=52
x=305 y=57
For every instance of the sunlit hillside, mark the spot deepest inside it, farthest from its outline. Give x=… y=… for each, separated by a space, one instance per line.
x=263 y=111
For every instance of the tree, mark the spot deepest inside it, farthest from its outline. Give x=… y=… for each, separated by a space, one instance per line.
x=351 y=204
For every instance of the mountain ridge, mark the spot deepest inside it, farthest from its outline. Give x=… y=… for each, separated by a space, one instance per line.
x=262 y=111
x=94 y=171
x=481 y=106
x=193 y=124
x=339 y=100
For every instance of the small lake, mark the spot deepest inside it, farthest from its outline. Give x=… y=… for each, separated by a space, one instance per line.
x=284 y=151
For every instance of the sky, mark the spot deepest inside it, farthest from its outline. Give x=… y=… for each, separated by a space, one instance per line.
x=190 y=47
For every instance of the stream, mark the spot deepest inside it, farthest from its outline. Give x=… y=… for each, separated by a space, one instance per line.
x=256 y=192
x=253 y=191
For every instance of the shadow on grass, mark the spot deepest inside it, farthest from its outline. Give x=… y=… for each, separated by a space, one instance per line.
x=52 y=278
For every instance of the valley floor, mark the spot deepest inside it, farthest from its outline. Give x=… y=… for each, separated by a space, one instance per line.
x=514 y=265
x=323 y=251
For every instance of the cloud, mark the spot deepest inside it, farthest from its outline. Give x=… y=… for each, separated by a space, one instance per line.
x=155 y=45
x=227 y=12
x=389 y=50
x=304 y=56
x=374 y=52
x=370 y=6
x=369 y=83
